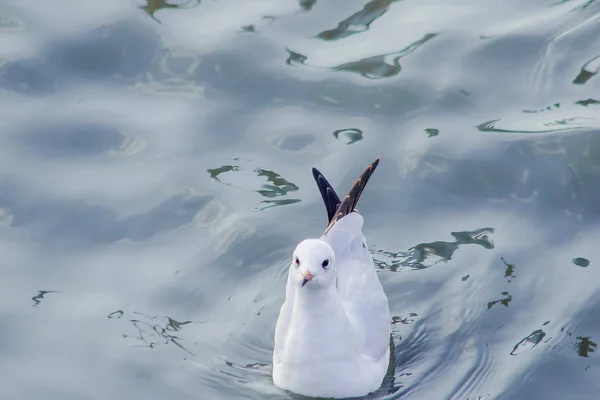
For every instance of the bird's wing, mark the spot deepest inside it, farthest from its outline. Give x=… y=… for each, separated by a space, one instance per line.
x=358 y=284
x=330 y=197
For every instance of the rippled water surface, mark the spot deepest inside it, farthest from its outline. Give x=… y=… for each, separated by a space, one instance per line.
x=155 y=178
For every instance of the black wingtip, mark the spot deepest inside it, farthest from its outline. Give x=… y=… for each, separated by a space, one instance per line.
x=330 y=198
x=375 y=163
x=316 y=173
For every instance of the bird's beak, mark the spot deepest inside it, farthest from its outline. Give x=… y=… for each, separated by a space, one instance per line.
x=307 y=278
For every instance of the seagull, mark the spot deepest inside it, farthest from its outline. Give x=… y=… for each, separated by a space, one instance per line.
x=332 y=337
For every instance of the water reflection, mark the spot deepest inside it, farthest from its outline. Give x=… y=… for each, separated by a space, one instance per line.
x=377 y=67
x=431 y=132
x=509 y=272
x=561 y=125
x=115 y=314
x=588 y=71
x=152 y=6
x=581 y=7
x=277 y=186
x=358 y=22
x=37 y=299
x=263 y=205
x=215 y=172
x=307 y=5
x=295 y=58
x=252 y=28
x=587 y=102
x=584 y=346
x=352 y=135
x=425 y=255
x=548 y=108
x=408 y=319
x=384 y=65
x=581 y=262
x=528 y=342
x=152 y=331
x=504 y=301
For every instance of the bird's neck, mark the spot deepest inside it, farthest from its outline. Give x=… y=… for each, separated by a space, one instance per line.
x=315 y=308
x=316 y=300
x=319 y=330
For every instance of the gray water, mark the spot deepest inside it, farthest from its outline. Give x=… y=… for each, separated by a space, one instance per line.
x=155 y=178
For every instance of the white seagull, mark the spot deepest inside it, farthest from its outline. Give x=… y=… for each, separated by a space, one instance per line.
x=333 y=333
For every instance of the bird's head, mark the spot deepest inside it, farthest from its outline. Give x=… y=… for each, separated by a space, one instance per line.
x=313 y=263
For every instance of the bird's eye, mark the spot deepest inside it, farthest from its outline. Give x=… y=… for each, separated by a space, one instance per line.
x=325 y=264
x=297 y=261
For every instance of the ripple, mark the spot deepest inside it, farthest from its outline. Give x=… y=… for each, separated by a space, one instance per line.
x=475 y=376
x=120 y=49
x=77 y=223
x=294 y=142
x=246 y=373
x=458 y=358
x=71 y=139
x=119 y=52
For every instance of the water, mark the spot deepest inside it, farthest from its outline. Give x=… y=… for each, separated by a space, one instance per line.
x=155 y=178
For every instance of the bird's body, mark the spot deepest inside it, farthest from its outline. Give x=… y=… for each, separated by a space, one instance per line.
x=332 y=336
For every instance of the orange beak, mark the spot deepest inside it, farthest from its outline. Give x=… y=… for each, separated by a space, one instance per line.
x=307 y=278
